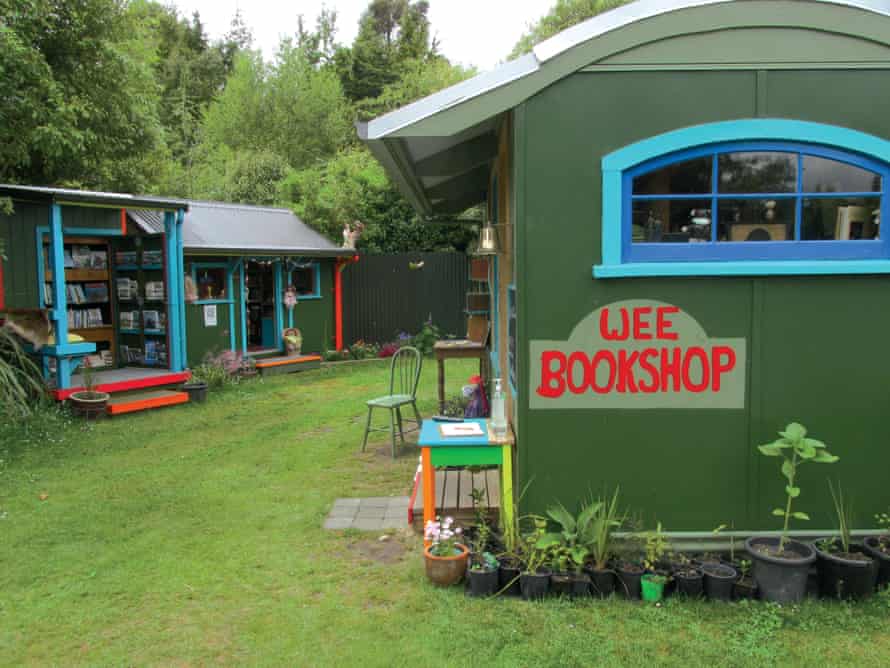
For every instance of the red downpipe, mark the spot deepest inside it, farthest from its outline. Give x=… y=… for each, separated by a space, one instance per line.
x=338 y=298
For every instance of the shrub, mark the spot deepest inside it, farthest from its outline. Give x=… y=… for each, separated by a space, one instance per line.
x=21 y=382
x=426 y=338
x=218 y=370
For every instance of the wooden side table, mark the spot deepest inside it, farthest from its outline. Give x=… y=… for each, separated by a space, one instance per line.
x=486 y=450
x=456 y=350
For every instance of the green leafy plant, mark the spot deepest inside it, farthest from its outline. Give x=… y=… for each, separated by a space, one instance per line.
x=883 y=520
x=744 y=567
x=536 y=546
x=719 y=532
x=795 y=448
x=843 y=510
x=655 y=546
x=21 y=382
x=571 y=545
x=481 y=534
x=426 y=338
x=606 y=519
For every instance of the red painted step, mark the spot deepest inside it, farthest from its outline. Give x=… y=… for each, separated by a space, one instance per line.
x=143 y=401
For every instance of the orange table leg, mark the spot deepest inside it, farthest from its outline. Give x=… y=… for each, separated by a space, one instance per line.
x=429 y=489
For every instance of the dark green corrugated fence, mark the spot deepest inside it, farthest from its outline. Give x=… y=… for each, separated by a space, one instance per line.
x=383 y=295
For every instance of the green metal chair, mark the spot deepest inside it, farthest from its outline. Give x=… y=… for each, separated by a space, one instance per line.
x=404 y=376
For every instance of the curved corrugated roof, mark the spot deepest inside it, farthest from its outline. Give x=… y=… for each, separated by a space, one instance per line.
x=467 y=112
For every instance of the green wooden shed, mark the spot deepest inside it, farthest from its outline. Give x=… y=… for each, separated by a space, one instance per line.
x=688 y=200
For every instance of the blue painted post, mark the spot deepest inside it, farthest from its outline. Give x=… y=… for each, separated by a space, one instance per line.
x=180 y=286
x=60 y=297
x=174 y=347
x=230 y=291
x=279 y=312
x=243 y=308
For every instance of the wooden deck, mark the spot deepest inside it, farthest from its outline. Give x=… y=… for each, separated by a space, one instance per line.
x=453 y=489
x=287 y=364
x=142 y=401
x=126 y=379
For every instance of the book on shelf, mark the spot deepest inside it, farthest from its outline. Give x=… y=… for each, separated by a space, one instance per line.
x=129 y=319
x=96 y=292
x=154 y=290
x=125 y=257
x=127 y=288
x=152 y=257
x=154 y=319
x=88 y=318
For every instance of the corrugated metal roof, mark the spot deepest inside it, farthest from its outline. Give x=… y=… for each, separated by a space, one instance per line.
x=242 y=228
x=68 y=195
x=396 y=138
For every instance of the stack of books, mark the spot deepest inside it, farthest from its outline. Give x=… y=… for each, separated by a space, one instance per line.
x=125 y=257
x=154 y=290
x=129 y=319
x=152 y=257
x=85 y=318
x=127 y=289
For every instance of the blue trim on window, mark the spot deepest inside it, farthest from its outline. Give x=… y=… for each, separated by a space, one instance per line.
x=316 y=282
x=756 y=268
x=842 y=144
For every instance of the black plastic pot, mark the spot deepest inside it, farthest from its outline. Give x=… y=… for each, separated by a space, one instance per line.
x=580 y=585
x=508 y=578
x=561 y=584
x=744 y=589
x=483 y=582
x=780 y=579
x=871 y=546
x=628 y=584
x=534 y=586
x=843 y=578
x=602 y=583
x=720 y=581
x=197 y=391
x=689 y=581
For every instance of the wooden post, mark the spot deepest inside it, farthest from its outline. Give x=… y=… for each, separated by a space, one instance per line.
x=429 y=489
x=506 y=487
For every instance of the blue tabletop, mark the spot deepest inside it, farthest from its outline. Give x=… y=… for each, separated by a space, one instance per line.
x=432 y=437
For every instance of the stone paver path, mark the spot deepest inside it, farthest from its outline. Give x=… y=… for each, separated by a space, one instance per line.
x=372 y=514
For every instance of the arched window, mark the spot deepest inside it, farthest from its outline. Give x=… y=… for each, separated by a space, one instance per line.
x=758 y=205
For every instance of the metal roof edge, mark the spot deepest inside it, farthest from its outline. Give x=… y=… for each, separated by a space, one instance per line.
x=91 y=197
x=266 y=251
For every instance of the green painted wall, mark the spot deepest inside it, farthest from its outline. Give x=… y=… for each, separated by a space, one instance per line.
x=815 y=345
x=19 y=231
x=314 y=317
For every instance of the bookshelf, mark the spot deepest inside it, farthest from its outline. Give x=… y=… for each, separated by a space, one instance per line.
x=140 y=292
x=88 y=292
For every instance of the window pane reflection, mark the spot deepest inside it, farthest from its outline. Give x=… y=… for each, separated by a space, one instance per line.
x=821 y=175
x=672 y=221
x=830 y=219
x=758 y=172
x=692 y=177
x=756 y=220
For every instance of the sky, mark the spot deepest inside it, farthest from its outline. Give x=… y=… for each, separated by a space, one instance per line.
x=470 y=32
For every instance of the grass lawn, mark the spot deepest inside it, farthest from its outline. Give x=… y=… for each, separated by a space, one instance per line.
x=193 y=536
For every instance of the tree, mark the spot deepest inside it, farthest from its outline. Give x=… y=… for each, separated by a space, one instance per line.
x=253 y=177
x=564 y=14
x=82 y=112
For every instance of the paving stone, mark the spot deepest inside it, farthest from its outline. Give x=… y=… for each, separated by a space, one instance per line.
x=367 y=524
x=348 y=511
x=399 y=505
x=347 y=503
x=375 y=501
x=338 y=523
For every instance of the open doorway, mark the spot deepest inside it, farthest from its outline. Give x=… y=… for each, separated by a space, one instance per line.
x=260 y=287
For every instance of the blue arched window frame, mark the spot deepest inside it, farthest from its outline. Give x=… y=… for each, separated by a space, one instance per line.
x=621 y=258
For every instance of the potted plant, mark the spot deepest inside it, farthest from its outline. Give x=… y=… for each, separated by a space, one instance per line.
x=655 y=578
x=196 y=386
x=534 y=580
x=878 y=548
x=445 y=558
x=293 y=341
x=483 y=573
x=781 y=565
x=605 y=520
x=89 y=402
x=719 y=581
x=570 y=548
x=248 y=368
x=845 y=571
x=744 y=587
x=688 y=577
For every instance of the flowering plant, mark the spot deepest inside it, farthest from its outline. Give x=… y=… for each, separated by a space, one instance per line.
x=444 y=539
x=290 y=298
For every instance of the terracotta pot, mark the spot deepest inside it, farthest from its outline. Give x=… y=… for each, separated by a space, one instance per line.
x=446 y=571
x=90 y=405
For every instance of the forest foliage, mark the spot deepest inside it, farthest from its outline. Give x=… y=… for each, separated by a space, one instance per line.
x=127 y=95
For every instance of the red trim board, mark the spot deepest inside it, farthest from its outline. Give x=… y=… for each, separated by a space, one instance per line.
x=127 y=385
x=171 y=399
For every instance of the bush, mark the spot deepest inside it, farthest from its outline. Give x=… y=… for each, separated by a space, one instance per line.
x=426 y=338
x=361 y=350
x=21 y=382
x=218 y=370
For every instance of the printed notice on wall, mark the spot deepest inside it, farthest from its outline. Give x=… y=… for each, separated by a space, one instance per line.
x=210 y=315
x=638 y=354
